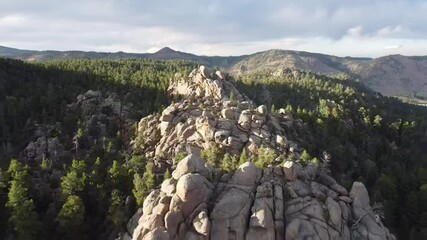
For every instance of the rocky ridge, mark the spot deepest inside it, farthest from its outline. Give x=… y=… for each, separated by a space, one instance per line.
x=392 y=75
x=210 y=110
x=284 y=200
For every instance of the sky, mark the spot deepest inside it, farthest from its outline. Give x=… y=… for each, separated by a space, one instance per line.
x=359 y=28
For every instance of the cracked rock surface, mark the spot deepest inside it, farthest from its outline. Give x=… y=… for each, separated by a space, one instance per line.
x=282 y=201
x=255 y=204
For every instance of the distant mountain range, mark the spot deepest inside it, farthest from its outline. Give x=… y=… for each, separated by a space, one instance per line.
x=393 y=75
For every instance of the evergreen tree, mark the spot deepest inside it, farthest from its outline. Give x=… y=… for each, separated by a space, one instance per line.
x=212 y=155
x=273 y=108
x=142 y=186
x=71 y=216
x=46 y=164
x=136 y=164
x=75 y=180
x=23 y=216
x=139 y=190
x=243 y=157
x=227 y=164
x=116 y=211
x=265 y=157
x=119 y=176
x=305 y=157
x=377 y=120
x=17 y=170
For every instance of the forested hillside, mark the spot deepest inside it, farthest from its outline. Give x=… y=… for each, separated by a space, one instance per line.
x=71 y=125
x=54 y=112
x=393 y=75
x=374 y=139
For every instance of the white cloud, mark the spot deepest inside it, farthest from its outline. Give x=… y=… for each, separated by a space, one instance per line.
x=220 y=27
x=389 y=31
x=355 y=32
x=12 y=20
x=393 y=47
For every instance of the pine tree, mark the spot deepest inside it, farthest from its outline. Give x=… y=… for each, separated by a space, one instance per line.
x=136 y=164
x=71 y=216
x=149 y=177
x=273 y=108
x=138 y=189
x=212 y=155
x=96 y=177
x=142 y=186
x=46 y=164
x=377 y=121
x=119 y=176
x=243 y=157
x=305 y=157
x=116 y=212
x=227 y=164
x=17 y=170
x=265 y=157
x=75 y=180
x=23 y=216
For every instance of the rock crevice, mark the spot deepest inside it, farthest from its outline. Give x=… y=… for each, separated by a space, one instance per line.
x=282 y=201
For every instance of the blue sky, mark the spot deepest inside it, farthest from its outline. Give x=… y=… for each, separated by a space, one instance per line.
x=369 y=28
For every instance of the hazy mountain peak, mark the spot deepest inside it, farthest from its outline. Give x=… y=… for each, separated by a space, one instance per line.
x=166 y=50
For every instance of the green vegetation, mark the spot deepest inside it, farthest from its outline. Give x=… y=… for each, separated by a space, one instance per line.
x=265 y=158
x=71 y=216
x=144 y=185
x=374 y=139
x=38 y=98
x=378 y=140
x=75 y=180
x=212 y=155
x=22 y=210
x=229 y=163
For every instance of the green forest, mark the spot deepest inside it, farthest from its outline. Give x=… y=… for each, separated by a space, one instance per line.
x=371 y=138
x=97 y=179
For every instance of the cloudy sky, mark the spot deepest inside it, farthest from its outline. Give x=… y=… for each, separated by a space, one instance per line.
x=369 y=28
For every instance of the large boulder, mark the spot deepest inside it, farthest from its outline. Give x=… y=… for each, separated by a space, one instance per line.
x=193 y=187
x=246 y=174
x=192 y=163
x=191 y=191
x=365 y=222
x=206 y=72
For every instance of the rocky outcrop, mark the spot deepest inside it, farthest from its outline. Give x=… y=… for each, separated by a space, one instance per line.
x=256 y=204
x=282 y=201
x=208 y=109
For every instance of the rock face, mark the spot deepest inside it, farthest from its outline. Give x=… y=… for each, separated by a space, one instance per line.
x=256 y=204
x=99 y=116
x=282 y=201
x=209 y=109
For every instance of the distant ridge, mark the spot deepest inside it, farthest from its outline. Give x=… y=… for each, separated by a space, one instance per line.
x=393 y=75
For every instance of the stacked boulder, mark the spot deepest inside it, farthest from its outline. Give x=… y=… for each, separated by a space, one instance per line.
x=209 y=110
x=281 y=202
